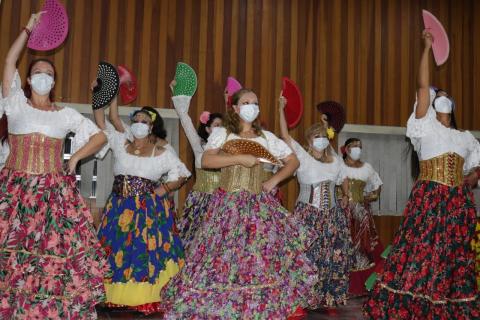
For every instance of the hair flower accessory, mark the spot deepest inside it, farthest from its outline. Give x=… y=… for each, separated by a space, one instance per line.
x=330 y=133
x=204 y=117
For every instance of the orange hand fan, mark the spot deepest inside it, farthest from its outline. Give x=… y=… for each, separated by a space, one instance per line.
x=244 y=146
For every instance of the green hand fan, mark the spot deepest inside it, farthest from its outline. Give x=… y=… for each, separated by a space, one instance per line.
x=371 y=281
x=386 y=252
x=186 y=79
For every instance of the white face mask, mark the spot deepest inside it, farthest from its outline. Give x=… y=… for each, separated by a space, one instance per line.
x=320 y=143
x=249 y=112
x=140 y=130
x=41 y=83
x=355 y=153
x=443 y=105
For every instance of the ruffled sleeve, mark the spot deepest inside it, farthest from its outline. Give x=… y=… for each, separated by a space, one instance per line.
x=177 y=168
x=276 y=146
x=374 y=182
x=300 y=152
x=473 y=158
x=343 y=173
x=114 y=139
x=418 y=128
x=15 y=97
x=83 y=128
x=216 y=139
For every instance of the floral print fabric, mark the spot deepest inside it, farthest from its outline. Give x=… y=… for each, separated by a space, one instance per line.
x=430 y=272
x=51 y=264
x=248 y=262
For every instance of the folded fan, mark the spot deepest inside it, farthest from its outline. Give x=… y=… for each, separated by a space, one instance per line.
x=243 y=146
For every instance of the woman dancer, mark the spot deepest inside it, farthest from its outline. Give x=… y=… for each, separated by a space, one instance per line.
x=430 y=272
x=249 y=260
x=206 y=181
x=51 y=264
x=317 y=206
x=363 y=188
x=137 y=228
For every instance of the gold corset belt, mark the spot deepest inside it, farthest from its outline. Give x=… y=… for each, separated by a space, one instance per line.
x=206 y=180
x=355 y=189
x=35 y=153
x=237 y=178
x=446 y=169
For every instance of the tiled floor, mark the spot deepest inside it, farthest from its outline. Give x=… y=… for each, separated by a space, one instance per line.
x=352 y=311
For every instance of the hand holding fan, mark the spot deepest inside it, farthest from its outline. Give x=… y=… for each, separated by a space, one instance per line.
x=52 y=29
x=440 y=45
x=244 y=146
x=108 y=83
x=186 y=80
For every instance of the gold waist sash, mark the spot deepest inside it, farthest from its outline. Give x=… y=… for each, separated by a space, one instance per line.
x=446 y=169
x=206 y=180
x=237 y=178
x=35 y=153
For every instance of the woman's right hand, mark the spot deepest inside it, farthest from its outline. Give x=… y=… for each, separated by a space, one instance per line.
x=427 y=38
x=34 y=19
x=282 y=101
x=247 y=160
x=94 y=84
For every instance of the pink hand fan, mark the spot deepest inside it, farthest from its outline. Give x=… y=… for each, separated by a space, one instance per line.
x=232 y=86
x=52 y=29
x=440 y=45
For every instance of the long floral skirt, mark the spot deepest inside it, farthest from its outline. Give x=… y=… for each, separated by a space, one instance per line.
x=430 y=272
x=248 y=263
x=51 y=264
x=331 y=252
x=196 y=206
x=367 y=248
x=143 y=247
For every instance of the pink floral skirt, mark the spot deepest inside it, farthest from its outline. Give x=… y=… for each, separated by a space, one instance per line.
x=51 y=264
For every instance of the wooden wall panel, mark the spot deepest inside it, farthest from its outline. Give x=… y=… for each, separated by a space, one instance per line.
x=363 y=53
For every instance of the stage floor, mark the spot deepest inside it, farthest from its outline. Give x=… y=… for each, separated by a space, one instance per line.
x=352 y=311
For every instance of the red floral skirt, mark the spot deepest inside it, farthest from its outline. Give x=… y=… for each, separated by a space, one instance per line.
x=51 y=263
x=430 y=272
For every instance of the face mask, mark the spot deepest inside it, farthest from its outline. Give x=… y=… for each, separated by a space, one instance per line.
x=443 y=105
x=249 y=112
x=320 y=143
x=41 y=83
x=140 y=130
x=355 y=153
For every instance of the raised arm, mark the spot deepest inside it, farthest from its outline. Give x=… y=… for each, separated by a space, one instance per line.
x=282 y=102
x=99 y=114
x=14 y=53
x=114 y=117
x=423 y=91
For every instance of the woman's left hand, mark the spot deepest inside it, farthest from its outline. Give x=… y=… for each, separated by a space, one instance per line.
x=269 y=185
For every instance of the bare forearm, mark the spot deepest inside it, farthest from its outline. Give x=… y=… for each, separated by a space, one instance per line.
x=99 y=116
x=114 y=117
x=289 y=168
x=11 y=61
x=283 y=127
x=217 y=161
x=95 y=143
x=424 y=72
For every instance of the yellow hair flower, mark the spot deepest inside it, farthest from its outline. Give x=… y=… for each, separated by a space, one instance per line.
x=330 y=133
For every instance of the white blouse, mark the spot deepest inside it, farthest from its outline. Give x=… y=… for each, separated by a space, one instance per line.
x=152 y=168
x=4 y=152
x=278 y=148
x=365 y=173
x=312 y=171
x=181 y=104
x=24 y=119
x=430 y=139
